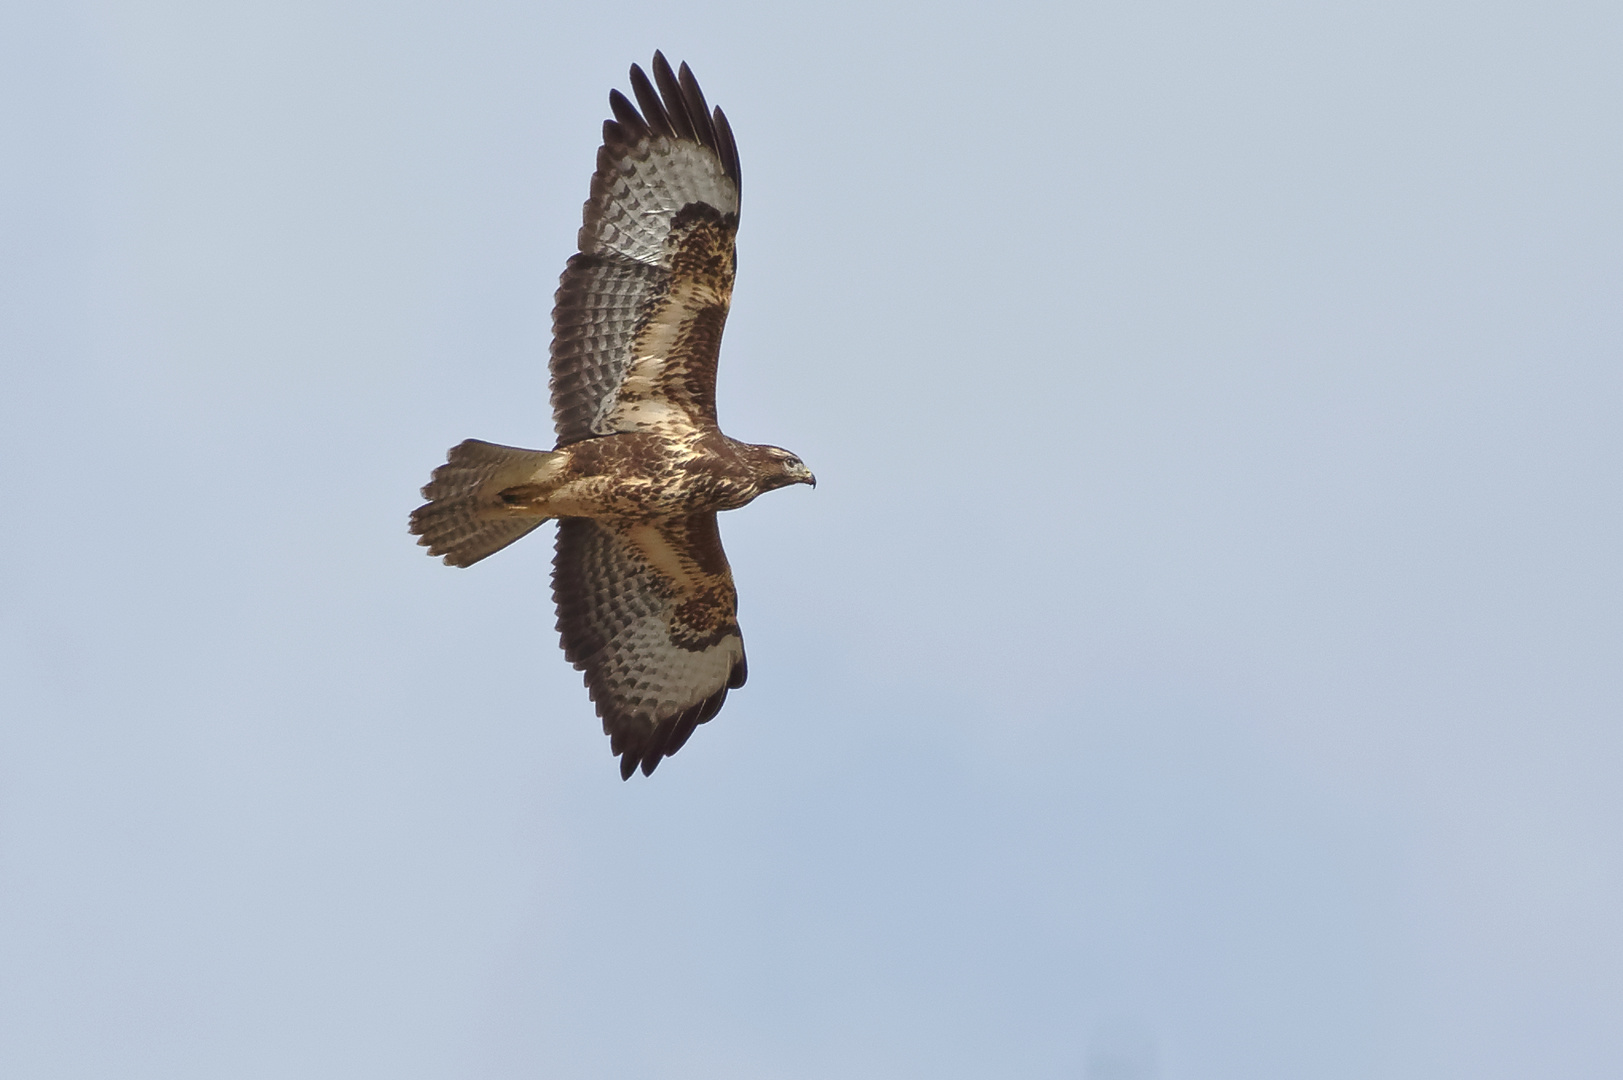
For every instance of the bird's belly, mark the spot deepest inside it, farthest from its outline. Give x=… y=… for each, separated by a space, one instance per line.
x=639 y=498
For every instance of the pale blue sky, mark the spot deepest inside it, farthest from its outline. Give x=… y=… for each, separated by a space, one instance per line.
x=1200 y=659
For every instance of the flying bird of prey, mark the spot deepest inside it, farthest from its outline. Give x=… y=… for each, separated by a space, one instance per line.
x=646 y=606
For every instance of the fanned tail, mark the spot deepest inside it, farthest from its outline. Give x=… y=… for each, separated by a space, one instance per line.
x=466 y=517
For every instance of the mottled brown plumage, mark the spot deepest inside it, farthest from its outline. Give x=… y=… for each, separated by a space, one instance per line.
x=646 y=606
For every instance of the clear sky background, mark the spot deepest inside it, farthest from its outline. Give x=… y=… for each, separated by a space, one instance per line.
x=1202 y=657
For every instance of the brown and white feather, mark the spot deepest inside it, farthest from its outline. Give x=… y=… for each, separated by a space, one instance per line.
x=638 y=315
x=647 y=610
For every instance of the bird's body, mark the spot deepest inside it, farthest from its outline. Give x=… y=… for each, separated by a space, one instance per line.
x=640 y=476
x=646 y=605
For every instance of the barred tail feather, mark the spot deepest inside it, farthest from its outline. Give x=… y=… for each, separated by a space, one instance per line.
x=466 y=518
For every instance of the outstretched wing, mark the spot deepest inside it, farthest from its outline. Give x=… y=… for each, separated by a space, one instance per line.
x=648 y=611
x=639 y=312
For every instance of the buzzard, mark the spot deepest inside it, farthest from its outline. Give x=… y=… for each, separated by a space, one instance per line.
x=646 y=606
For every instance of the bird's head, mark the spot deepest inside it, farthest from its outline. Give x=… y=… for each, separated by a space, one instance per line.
x=779 y=468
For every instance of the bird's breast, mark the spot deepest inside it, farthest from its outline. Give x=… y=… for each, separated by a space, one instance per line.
x=641 y=475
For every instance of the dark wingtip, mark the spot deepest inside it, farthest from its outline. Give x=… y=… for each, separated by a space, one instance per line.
x=663 y=739
x=698 y=111
x=675 y=106
x=672 y=105
x=648 y=100
x=727 y=148
x=629 y=118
